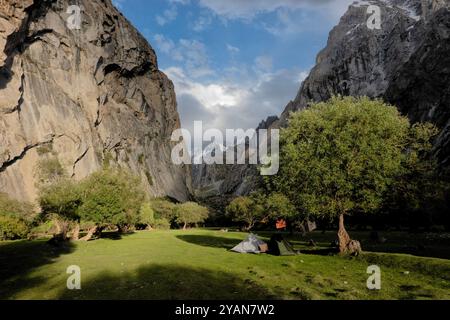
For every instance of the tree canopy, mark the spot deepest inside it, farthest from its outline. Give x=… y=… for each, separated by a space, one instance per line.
x=111 y=196
x=339 y=157
x=343 y=156
x=189 y=213
x=246 y=210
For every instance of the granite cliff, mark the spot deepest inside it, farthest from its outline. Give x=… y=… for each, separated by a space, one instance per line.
x=86 y=96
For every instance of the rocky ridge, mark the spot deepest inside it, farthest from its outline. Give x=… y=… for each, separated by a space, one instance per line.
x=86 y=97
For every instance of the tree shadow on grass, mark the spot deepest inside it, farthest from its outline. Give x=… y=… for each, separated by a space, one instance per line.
x=18 y=259
x=114 y=235
x=414 y=292
x=210 y=241
x=321 y=252
x=168 y=282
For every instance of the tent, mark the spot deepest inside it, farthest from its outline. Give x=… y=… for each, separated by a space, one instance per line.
x=250 y=245
x=280 y=247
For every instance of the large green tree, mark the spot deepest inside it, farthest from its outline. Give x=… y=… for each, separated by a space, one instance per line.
x=246 y=210
x=189 y=213
x=59 y=201
x=164 y=209
x=111 y=197
x=279 y=206
x=340 y=157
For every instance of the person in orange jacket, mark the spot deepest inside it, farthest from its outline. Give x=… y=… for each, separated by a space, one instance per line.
x=281 y=225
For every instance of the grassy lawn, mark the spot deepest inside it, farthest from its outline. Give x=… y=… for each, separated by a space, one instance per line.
x=196 y=264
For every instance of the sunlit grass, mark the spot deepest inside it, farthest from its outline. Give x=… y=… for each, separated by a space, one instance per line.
x=197 y=264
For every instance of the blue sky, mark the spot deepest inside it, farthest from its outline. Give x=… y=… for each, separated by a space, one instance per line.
x=234 y=62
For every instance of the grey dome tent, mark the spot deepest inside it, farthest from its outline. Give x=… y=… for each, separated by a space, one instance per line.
x=250 y=245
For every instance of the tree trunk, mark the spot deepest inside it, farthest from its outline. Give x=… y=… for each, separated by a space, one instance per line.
x=76 y=233
x=347 y=246
x=62 y=228
x=344 y=238
x=90 y=234
x=185 y=226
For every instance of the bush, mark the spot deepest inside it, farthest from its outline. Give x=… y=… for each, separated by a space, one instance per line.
x=15 y=218
x=12 y=228
x=49 y=170
x=146 y=215
x=44 y=229
x=161 y=224
x=15 y=208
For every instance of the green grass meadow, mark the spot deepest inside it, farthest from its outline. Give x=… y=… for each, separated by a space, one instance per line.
x=197 y=264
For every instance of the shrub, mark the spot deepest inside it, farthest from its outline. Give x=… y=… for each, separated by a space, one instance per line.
x=12 y=228
x=44 y=229
x=15 y=218
x=146 y=215
x=161 y=224
x=49 y=170
x=15 y=208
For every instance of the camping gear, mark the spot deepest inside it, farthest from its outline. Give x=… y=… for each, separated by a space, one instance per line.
x=280 y=247
x=264 y=248
x=250 y=245
x=281 y=224
x=310 y=226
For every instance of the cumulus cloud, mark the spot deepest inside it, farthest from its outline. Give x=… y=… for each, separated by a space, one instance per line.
x=232 y=49
x=225 y=104
x=250 y=8
x=167 y=16
x=263 y=63
x=183 y=2
x=192 y=53
x=202 y=22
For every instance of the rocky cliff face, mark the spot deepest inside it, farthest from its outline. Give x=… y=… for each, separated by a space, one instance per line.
x=406 y=62
x=86 y=97
x=237 y=179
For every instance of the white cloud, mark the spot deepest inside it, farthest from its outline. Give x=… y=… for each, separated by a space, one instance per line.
x=192 y=53
x=232 y=49
x=167 y=16
x=211 y=96
x=248 y=9
x=202 y=22
x=183 y=2
x=241 y=103
x=263 y=63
